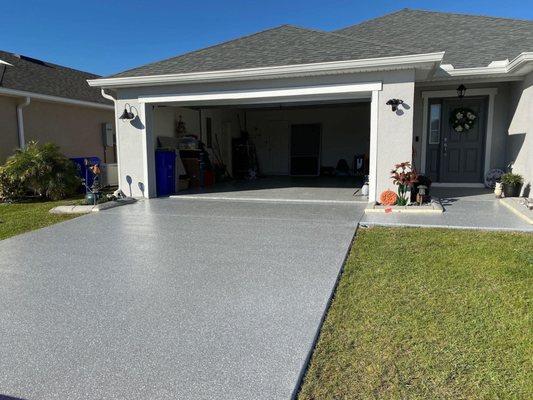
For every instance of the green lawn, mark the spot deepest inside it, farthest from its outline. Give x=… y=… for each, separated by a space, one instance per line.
x=22 y=217
x=429 y=314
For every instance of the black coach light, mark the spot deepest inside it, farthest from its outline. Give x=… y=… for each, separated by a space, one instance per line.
x=461 y=91
x=127 y=114
x=394 y=103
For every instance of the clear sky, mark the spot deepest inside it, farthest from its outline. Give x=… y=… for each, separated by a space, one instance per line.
x=107 y=36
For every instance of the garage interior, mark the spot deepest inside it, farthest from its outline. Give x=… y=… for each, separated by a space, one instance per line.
x=307 y=151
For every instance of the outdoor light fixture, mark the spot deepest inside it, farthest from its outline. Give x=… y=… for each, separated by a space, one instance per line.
x=127 y=115
x=394 y=103
x=461 y=90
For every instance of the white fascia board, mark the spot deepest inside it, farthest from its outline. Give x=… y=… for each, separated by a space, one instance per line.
x=523 y=63
x=333 y=67
x=315 y=92
x=5 y=63
x=53 y=99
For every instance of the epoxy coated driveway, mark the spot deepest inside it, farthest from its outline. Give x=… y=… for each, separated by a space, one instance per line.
x=169 y=299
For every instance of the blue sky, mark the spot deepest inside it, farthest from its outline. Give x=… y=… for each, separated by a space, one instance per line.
x=104 y=36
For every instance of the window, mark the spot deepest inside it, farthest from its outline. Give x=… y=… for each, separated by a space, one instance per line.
x=208 y=133
x=434 y=123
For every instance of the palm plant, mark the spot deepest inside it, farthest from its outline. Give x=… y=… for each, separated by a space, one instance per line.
x=40 y=170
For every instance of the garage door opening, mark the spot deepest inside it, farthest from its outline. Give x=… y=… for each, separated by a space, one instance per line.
x=304 y=151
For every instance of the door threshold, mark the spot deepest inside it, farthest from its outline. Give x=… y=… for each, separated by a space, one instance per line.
x=458 y=184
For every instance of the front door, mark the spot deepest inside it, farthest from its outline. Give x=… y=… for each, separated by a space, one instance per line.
x=456 y=157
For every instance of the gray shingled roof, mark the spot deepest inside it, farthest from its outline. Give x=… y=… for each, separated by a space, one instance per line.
x=469 y=41
x=283 y=45
x=50 y=79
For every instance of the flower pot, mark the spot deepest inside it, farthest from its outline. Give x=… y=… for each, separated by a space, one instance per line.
x=511 y=190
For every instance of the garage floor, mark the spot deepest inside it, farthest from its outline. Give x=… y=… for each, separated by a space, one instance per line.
x=284 y=189
x=169 y=299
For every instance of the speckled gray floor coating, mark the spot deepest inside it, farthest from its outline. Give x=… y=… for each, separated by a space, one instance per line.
x=169 y=299
x=464 y=208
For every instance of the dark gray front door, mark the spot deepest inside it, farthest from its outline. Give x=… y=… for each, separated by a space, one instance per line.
x=456 y=156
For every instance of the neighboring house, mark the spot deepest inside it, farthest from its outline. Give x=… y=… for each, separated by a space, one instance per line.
x=309 y=98
x=50 y=103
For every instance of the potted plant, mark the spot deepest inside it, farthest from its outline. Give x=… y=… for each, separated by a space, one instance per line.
x=404 y=176
x=512 y=183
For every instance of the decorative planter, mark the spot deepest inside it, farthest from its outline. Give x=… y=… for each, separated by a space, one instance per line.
x=511 y=190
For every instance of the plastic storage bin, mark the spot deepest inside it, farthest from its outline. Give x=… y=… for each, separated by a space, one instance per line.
x=165 y=172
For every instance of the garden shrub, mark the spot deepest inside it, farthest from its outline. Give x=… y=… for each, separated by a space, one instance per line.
x=38 y=170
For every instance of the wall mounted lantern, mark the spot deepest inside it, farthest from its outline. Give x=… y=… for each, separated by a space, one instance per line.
x=394 y=103
x=127 y=114
x=461 y=90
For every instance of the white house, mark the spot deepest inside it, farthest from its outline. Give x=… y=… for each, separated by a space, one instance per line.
x=347 y=81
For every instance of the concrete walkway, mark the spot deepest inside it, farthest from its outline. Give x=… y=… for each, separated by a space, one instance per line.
x=464 y=208
x=169 y=299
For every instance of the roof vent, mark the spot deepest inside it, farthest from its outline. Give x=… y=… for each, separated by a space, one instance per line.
x=32 y=60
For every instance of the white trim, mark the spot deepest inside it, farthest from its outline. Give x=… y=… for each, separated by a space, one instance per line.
x=458 y=185
x=521 y=64
x=373 y=153
x=146 y=140
x=282 y=71
x=426 y=95
x=54 y=99
x=275 y=94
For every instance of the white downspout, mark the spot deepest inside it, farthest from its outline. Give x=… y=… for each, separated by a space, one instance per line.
x=109 y=97
x=20 y=121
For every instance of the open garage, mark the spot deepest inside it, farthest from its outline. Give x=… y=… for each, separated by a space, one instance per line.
x=270 y=149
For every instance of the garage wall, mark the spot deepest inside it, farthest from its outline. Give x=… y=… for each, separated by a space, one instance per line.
x=345 y=132
x=8 y=127
x=224 y=125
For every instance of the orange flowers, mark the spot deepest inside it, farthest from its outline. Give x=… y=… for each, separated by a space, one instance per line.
x=388 y=198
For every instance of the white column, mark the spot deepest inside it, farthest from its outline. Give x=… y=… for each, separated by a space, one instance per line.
x=148 y=150
x=373 y=158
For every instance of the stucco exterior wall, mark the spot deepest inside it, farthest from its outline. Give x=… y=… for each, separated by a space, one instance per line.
x=8 y=127
x=76 y=130
x=394 y=130
x=520 y=139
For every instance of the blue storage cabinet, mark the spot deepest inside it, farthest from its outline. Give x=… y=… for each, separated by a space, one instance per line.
x=165 y=172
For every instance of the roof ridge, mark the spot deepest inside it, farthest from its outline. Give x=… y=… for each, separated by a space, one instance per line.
x=467 y=15
x=406 y=9
x=373 y=19
x=354 y=38
x=202 y=49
